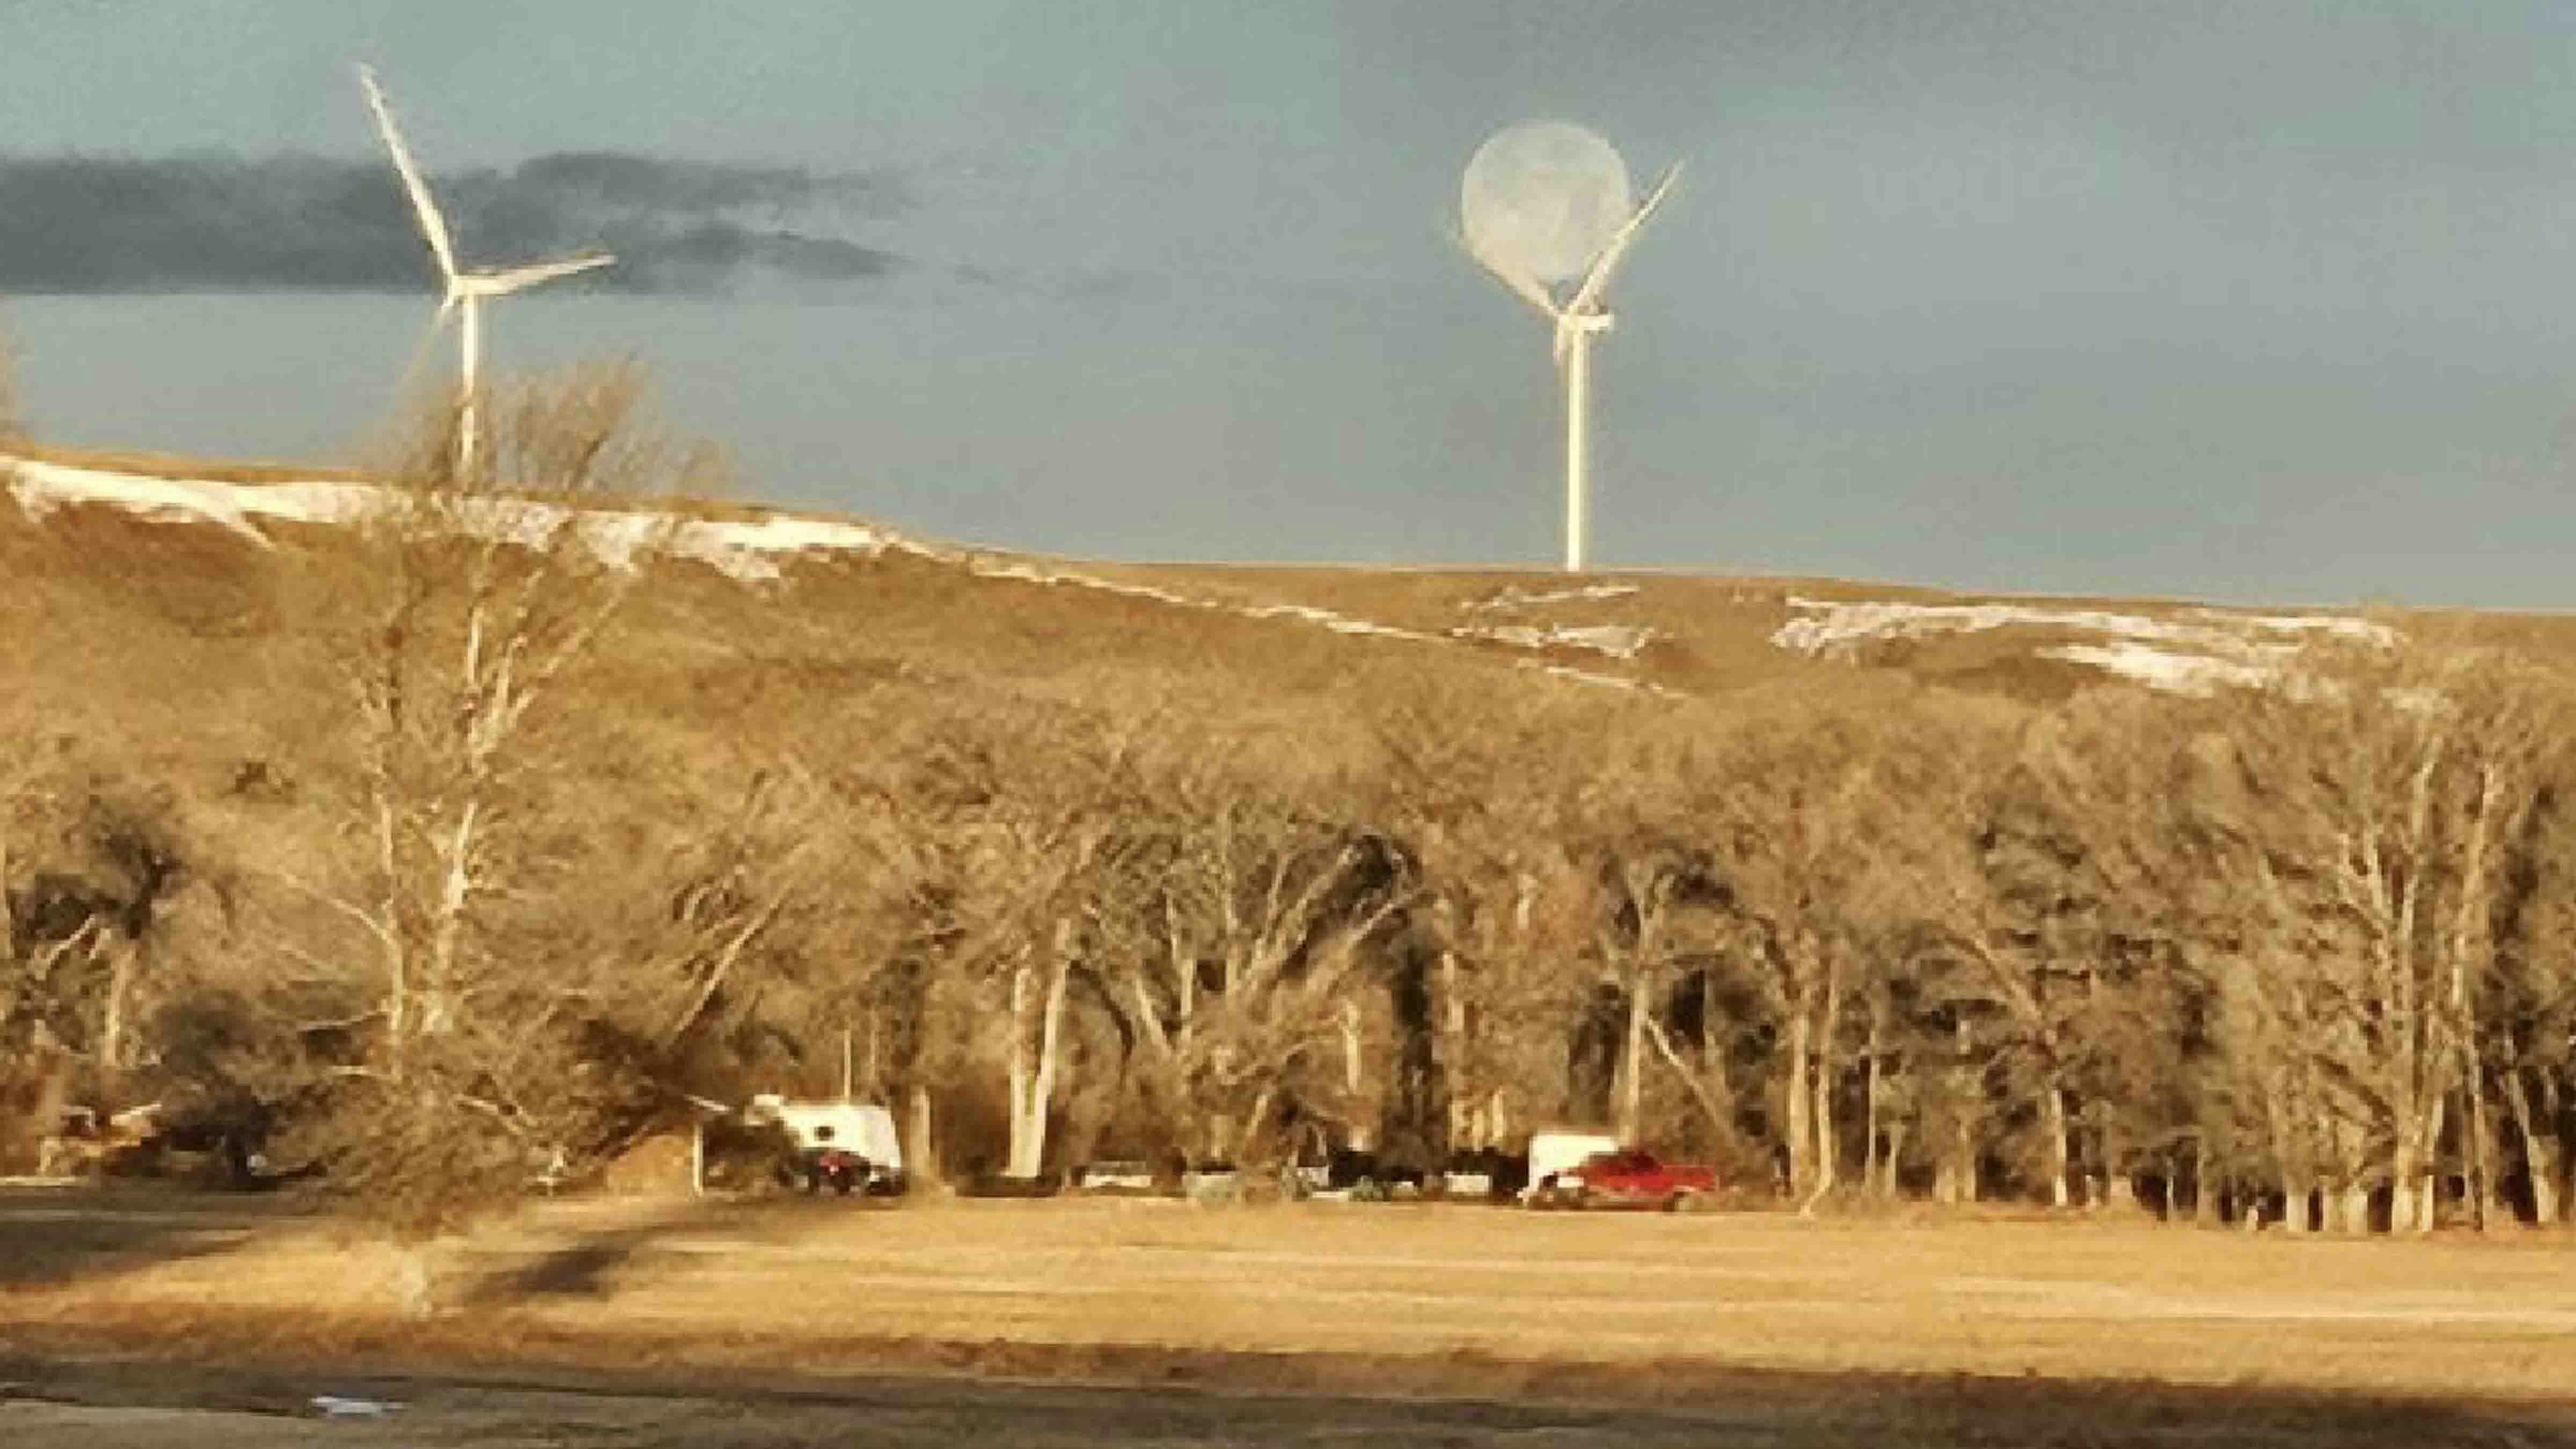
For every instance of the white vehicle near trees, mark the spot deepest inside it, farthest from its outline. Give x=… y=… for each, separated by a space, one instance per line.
x=846 y=1145
x=1552 y=1153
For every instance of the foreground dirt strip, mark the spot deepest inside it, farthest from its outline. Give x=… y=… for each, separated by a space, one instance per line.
x=213 y=1382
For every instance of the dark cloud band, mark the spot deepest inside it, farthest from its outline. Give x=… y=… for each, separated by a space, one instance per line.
x=307 y=223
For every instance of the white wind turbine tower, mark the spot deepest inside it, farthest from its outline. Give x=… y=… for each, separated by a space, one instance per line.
x=466 y=290
x=1543 y=205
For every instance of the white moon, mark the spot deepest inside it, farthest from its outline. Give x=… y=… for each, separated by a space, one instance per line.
x=1542 y=198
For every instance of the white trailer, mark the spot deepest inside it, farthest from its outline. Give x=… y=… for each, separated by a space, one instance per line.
x=864 y=1129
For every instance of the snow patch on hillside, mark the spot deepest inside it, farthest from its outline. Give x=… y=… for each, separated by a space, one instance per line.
x=1618 y=641
x=2192 y=655
x=42 y=488
x=749 y=551
x=1512 y=598
x=2162 y=668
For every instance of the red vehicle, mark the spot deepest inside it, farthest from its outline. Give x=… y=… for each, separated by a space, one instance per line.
x=1630 y=1177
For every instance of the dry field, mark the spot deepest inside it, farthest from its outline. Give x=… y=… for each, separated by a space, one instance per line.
x=2022 y=1331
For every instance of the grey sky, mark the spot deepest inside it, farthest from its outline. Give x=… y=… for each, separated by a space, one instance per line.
x=2258 y=301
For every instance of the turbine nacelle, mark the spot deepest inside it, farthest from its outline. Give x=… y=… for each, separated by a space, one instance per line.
x=1571 y=326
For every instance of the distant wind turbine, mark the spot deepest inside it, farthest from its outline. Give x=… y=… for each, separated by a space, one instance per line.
x=466 y=290
x=1542 y=204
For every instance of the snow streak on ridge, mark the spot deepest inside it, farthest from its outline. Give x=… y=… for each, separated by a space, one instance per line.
x=747 y=551
x=2186 y=657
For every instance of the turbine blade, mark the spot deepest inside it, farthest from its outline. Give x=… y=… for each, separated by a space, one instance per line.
x=1525 y=288
x=432 y=225
x=503 y=283
x=1587 y=298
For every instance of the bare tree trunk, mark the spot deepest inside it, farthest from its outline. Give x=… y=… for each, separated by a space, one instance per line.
x=921 y=1161
x=1869 y=1174
x=1800 y=1103
x=111 y=1031
x=1033 y=1073
x=2052 y=1119
x=1050 y=1056
x=1966 y=1149
x=1354 y=1069
x=1630 y=1109
x=1021 y=1069
x=2406 y=1209
x=2548 y=1113
x=1711 y=1086
x=2486 y=1197
x=1455 y=1070
x=456 y=888
x=2540 y=1153
x=2293 y=1147
x=1887 y=1162
x=2428 y=1192
x=1955 y=1179
x=1827 y=1154
x=2297 y=1211
x=386 y=918
x=1251 y=1133
x=2204 y=1188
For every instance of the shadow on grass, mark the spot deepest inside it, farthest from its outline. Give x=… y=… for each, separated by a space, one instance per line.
x=588 y=1263
x=55 y=1236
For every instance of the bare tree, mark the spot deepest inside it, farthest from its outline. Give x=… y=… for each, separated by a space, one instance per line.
x=1480 y=783
x=1786 y=805
x=1023 y=806
x=475 y=601
x=1251 y=920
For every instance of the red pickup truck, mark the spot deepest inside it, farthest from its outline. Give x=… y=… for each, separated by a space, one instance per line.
x=1627 y=1178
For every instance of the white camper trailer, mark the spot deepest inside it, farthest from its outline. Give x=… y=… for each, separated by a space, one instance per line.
x=864 y=1130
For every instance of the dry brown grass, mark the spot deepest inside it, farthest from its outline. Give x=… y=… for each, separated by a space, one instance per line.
x=1428 y=1295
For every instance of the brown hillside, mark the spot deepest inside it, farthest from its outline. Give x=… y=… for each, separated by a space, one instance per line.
x=1242 y=636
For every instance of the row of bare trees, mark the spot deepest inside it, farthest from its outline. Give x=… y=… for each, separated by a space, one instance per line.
x=2293 y=950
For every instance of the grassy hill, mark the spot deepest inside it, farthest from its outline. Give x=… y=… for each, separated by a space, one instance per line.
x=1017 y=620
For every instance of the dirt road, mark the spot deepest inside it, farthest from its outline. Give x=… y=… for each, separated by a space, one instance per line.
x=896 y=1414
x=90 y=1405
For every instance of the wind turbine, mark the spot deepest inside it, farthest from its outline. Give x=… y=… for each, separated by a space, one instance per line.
x=466 y=290
x=1545 y=204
